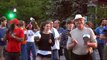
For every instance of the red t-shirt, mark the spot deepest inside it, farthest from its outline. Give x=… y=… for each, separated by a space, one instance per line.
x=13 y=45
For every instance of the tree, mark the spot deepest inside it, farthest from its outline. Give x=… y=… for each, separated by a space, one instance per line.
x=34 y=8
x=6 y=6
x=26 y=8
x=42 y=9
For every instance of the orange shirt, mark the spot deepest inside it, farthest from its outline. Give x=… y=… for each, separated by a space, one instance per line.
x=24 y=42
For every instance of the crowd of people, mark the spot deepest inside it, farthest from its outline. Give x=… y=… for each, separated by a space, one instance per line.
x=74 y=39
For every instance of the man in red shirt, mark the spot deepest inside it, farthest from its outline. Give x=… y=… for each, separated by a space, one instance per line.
x=15 y=36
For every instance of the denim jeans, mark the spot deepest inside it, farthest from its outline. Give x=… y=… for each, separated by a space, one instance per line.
x=24 y=52
x=94 y=54
x=31 y=48
x=100 y=50
x=55 y=55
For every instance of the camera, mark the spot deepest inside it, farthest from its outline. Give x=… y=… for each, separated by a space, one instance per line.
x=86 y=38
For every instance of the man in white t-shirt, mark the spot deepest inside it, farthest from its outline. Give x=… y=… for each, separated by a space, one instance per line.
x=56 y=47
x=81 y=47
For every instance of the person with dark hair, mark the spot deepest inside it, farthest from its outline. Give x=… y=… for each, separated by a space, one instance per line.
x=56 y=24
x=31 y=47
x=63 y=24
x=3 y=29
x=35 y=25
x=2 y=19
x=89 y=24
x=45 y=42
x=103 y=36
x=100 y=41
x=64 y=38
x=23 y=43
x=14 y=37
x=56 y=47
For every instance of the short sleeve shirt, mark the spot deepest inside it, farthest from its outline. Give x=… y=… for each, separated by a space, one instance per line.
x=13 y=45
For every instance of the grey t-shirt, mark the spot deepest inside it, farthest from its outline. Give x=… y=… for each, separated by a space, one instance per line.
x=81 y=48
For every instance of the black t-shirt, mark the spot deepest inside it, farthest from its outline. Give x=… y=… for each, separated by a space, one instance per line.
x=44 y=44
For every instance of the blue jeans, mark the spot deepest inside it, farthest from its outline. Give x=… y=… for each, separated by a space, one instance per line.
x=94 y=55
x=24 y=52
x=100 y=50
x=55 y=55
x=31 y=48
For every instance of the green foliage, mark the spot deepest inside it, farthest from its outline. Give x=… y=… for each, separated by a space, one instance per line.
x=26 y=8
x=6 y=6
x=102 y=12
x=29 y=8
x=46 y=9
